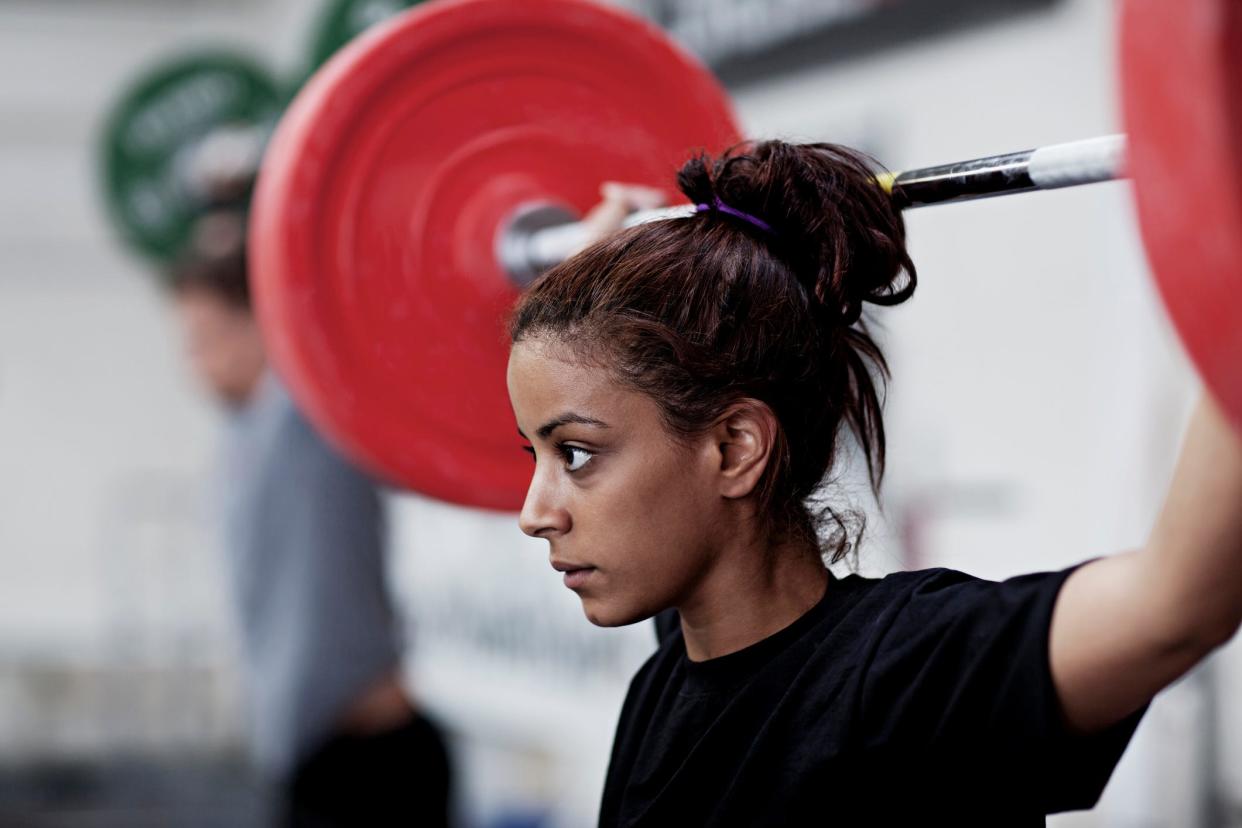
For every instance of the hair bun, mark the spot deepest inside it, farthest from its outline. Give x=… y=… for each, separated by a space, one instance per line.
x=838 y=230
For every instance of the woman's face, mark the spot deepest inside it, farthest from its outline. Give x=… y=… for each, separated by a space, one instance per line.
x=631 y=513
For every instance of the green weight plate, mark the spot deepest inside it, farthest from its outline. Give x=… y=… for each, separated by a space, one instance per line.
x=343 y=20
x=150 y=137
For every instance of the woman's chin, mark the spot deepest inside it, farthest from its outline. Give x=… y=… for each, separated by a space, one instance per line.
x=603 y=614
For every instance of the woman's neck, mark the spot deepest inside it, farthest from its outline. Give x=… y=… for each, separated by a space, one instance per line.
x=751 y=593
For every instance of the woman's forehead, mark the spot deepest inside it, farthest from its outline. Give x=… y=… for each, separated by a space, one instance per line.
x=546 y=382
x=543 y=375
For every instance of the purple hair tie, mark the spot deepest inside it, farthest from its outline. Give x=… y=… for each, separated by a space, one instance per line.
x=717 y=204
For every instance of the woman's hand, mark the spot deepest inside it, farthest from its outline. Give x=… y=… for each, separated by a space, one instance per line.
x=1127 y=626
x=619 y=201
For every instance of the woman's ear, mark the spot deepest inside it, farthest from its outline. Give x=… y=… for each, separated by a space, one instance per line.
x=746 y=438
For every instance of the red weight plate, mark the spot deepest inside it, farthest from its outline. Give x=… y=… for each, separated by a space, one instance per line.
x=375 y=216
x=1182 y=88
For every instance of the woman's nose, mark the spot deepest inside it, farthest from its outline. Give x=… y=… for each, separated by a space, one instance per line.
x=543 y=514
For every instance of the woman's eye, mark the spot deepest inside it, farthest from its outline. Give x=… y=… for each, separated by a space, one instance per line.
x=575 y=458
x=529 y=450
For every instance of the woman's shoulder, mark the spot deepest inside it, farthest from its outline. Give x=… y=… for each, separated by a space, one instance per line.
x=914 y=611
x=908 y=580
x=919 y=602
x=848 y=594
x=877 y=596
x=932 y=586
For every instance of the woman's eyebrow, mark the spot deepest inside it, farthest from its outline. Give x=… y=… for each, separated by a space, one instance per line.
x=565 y=419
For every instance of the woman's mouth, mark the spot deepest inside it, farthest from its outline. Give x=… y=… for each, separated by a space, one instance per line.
x=575 y=574
x=575 y=578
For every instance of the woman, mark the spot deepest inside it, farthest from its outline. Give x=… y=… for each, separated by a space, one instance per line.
x=684 y=386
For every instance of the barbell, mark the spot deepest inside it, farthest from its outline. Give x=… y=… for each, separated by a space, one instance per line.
x=434 y=166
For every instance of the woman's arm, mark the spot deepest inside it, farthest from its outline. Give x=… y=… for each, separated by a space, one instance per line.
x=1127 y=626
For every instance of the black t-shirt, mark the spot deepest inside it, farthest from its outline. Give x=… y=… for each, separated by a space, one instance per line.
x=920 y=698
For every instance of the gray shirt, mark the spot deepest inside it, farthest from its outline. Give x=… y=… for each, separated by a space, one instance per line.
x=304 y=534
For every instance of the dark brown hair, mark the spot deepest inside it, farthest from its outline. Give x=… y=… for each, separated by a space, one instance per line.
x=701 y=312
x=213 y=260
x=223 y=276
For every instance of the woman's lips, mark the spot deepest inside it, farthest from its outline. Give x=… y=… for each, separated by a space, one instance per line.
x=576 y=578
x=576 y=574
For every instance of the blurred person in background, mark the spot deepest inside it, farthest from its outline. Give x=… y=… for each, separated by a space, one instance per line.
x=331 y=725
